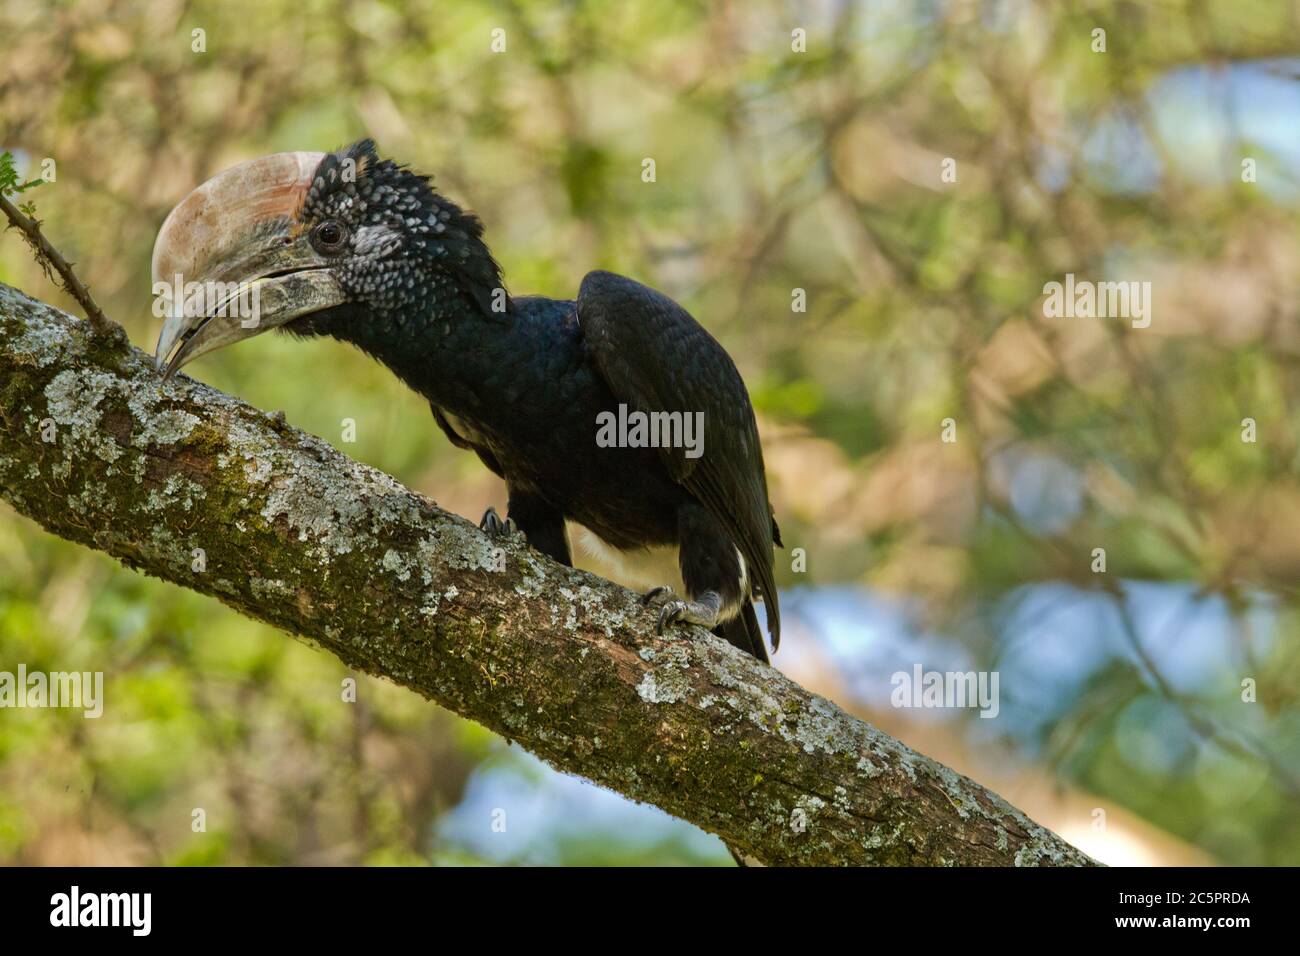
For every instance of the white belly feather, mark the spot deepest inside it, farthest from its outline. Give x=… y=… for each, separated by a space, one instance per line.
x=638 y=568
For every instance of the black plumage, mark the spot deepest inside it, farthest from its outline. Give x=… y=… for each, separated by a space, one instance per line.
x=521 y=381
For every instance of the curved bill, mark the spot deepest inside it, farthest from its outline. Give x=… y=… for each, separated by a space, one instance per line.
x=232 y=259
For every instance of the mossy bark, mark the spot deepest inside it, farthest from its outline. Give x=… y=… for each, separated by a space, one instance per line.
x=185 y=483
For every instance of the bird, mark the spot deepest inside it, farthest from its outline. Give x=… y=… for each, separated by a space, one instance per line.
x=365 y=250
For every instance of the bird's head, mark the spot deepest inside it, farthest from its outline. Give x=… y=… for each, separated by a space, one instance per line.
x=313 y=243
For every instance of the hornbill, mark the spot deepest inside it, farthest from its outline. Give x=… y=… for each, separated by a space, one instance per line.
x=364 y=250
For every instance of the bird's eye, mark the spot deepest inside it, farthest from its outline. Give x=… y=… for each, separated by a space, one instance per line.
x=328 y=236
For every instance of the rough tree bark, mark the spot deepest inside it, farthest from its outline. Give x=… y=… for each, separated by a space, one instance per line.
x=98 y=450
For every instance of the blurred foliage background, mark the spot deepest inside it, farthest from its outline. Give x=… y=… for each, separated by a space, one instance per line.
x=1122 y=722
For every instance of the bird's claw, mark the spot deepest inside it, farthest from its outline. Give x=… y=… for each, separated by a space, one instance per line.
x=670 y=613
x=492 y=524
x=671 y=609
x=703 y=612
x=654 y=594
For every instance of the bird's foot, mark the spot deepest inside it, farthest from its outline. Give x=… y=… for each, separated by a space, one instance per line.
x=655 y=595
x=492 y=524
x=703 y=612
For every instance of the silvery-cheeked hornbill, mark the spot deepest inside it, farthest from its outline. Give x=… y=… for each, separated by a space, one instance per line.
x=362 y=249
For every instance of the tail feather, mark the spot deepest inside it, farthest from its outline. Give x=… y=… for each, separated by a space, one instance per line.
x=743 y=632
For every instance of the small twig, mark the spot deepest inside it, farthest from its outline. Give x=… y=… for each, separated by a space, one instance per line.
x=49 y=257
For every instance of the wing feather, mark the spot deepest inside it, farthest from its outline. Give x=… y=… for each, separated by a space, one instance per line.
x=655 y=357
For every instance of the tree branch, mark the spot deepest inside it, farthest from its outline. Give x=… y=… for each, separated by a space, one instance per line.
x=50 y=258
x=96 y=448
